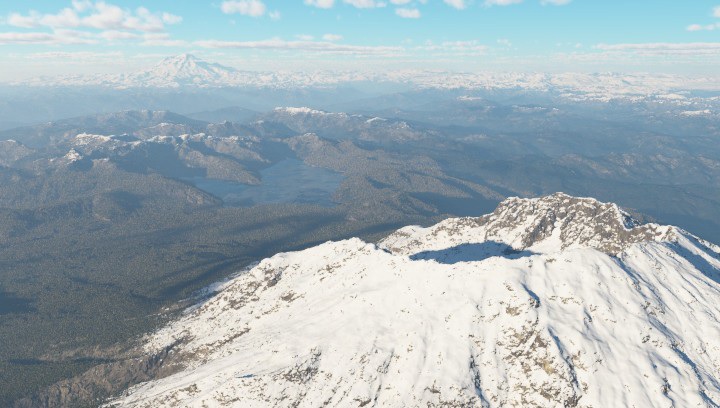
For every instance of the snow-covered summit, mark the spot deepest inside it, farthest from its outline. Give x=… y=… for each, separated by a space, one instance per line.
x=537 y=304
x=302 y=111
x=188 y=69
x=546 y=224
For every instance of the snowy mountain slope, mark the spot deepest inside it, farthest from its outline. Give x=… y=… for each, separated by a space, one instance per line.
x=340 y=125
x=547 y=302
x=188 y=69
x=229 y=158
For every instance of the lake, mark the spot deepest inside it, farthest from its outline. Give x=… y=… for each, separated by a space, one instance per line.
x=287 y=181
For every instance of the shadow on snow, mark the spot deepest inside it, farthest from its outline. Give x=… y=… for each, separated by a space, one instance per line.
x=471 y=253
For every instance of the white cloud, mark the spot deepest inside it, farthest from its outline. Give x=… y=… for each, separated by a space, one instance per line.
x=65 y=18
x=77 y=57
x=252 y=8
x=501 y=2
x=663 y=49
x=458 y=4
x=70 y=25
x=316 y=46
x=708 y=27
x=114 y=35
x=75 y=37
x=324 y=4
x=332 y=37
x=29 y=21
x=161 y=40
x=400 y=2
x=304 y=37
x=98 y=15
x=274 y=15
x=30 y=38
x=456 y=47
x=555 y=2
x=504 y=42
x=408 y=12
x=171 y=19
x=58 y=37
x=81 y=5
x=164 y=43
x=365 y=3
x=108 y=16
x=665 y=46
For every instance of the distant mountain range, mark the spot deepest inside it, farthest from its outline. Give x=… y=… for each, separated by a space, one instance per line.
x=550 y=302
x=187 y=70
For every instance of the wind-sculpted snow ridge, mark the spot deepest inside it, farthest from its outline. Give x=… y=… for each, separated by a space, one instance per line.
x=550 y=302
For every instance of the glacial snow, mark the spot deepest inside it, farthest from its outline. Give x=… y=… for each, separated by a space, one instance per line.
x=550 y=302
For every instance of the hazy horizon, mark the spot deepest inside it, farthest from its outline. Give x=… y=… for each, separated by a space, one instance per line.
x=86 y=37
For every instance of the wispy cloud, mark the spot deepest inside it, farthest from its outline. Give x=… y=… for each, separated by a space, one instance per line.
x=332 y=37
x=323 y=4
x=316 y=46
x=459 y=48
x=57 y=37
x=706 y=27
x=82 y=56
x=252 y=8
x=458 y=4
x=555 y=2
x=362 y=4
x=97 y=15
x=161 y=40
x=489 y=3
x=115 y=35
x=664 y=49
x=407 y=12
x=410 y=9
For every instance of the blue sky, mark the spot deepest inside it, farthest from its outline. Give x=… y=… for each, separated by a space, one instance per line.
x=46 y=37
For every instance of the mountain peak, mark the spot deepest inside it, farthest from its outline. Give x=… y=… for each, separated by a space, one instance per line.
x=187 y=69
x=183 y=57
x=546 y=224
x=354 y=324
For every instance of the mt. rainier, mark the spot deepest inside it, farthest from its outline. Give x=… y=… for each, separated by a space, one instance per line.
x=186 y=69
x=548 y=302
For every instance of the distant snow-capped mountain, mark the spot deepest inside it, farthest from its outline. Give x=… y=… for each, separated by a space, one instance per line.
x=171 y=72
x=549 y=302
x=341 y=125
x=186 y=70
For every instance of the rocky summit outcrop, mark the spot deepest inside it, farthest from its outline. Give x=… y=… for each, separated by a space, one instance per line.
x=557 y=221
x=549 y=302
